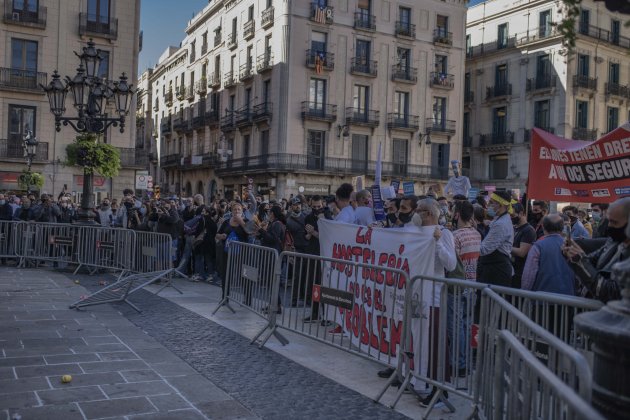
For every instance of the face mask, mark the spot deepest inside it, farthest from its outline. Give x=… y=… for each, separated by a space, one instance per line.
x=597 y=216
x=491 y=212
x=617 y=234
x=573 y=219
x=416 y=219
x=515 y=220
x=391 y=217
x=536 y=217
x=444 y=209
x=404 y=217
x=442 y=221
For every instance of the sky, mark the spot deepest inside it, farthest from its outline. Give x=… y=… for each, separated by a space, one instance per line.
x=163 y=23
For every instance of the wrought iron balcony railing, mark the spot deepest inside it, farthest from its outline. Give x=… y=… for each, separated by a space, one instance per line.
x=433 y=125
x=589 y=134
x=229 y=80
x=364 y=21
x=232 y=41
x=442 y=80
x=617 y=90
x=442 y=36
x=22 y=17
x=96 y=25
x=266 y=19
x=404 y=74
x=540 y=83
x=320 y=60
x=264 y=62
x=363 y=67
x=361 y=116
x=262 y=112
x=13 y=148
x=604 y=35
x=319 y=111
x=214 y=81
x=498 y=91
x=405 y=30
x=503 y=137
x=404 y=122
x=249 y=29
x=538 y=34
x=246 y=72
x=585 y=82
x=23 y=80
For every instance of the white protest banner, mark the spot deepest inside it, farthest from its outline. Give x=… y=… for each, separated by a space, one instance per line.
x=370 y=320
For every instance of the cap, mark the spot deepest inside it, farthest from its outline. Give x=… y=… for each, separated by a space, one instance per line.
x=296 y=200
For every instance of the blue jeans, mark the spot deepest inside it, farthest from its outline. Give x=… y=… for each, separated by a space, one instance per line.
x=457 y=317
x=204 y=265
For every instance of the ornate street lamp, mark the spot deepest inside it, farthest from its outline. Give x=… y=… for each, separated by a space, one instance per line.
x=30 y=148
x=88 y=91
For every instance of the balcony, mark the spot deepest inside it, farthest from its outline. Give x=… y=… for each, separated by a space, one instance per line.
x=442 y=36
x=243 y=117
x=323 y=15
x=262 y=112
x=542 y=83
x=264 y=62
x=190 y=92
x=201 y=86
x=22 y=80
x=617 y=90
x=170 y=161
x=232 y=41
x=156 y=105
x=193 y=54
x=404 y=74
x=587 y=134
x=585 y=82
x=133 y=158
x=402 y=122
x=469 y=98
x=467 y=141
x=320 y=61
x=318 y=111
x=362 y=117
x=14 y=149
x=604 y=35
x=165 y=125
x=527 y=134
x=536 y=35
x=361 y=66
x=212 y=118
x=498 y=92
x=442 y=80
x=266 y=19
x=364 y=22
x=199 y=122
x=285 y=162
x=228 y=122
x=217 y=39
x=229 y=80
x=249 y=29
x=496 y=139
x=204 y=48
x=95 y=25
x=489 y=48
x=168 y=98
x=24 y=17
x=405 y=30
x=180 y=93
x=440 y=126
x=215 y=80
x=246 y=72
x=178 y=123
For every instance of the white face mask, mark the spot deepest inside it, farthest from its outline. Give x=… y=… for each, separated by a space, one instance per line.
x=416 y=219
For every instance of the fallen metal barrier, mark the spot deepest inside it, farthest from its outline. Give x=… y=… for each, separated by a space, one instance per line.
x=524 y=388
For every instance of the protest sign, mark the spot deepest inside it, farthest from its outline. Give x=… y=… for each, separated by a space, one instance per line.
x=408 y=188
x=577 y=171
x=377 y=203
x=396 y=185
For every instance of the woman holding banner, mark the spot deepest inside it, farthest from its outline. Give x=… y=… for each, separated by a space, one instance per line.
x=495 y=266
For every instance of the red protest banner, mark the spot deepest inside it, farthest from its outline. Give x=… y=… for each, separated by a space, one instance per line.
x=577 y=171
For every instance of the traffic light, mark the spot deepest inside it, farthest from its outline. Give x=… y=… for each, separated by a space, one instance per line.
x=156 y=190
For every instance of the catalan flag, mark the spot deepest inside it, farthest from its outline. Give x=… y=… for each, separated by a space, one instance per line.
x=320 y=14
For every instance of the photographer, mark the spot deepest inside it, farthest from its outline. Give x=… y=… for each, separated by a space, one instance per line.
x=46 y=211
x=123 y=214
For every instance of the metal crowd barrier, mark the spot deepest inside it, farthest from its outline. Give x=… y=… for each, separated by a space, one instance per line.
x=54 y=242
x=152 y=252
x=525 y=389
x=8 y=232
x=106 y=248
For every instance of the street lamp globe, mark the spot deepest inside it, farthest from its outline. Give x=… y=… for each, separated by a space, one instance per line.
x=79 y=87
x=91 y=59
x=56 y=92
x=122 y=93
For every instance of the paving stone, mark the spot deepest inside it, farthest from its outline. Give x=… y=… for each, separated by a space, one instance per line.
x=117 y=407
x=50 y=412
x=140 y=375
x=106 y=339
x=169 y=402
x=98 y=348
x=137 y=388
x=197 y=388
x=173 y=415
x=113 y=366
x=117 y=355
x=82 y=332
x=7 y=373
x=22 y=361
x=18 y=400
x=223 y=409
x=38 y=351
x=48 y=370
x=67 y=395
x=8 y=386
x=158 y=356
x=137 y=344
x=71 y=358
x=88 y=379
x=46 y=342
x=173 y=369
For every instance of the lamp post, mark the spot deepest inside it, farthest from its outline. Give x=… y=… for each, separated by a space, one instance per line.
x=88 y=91
x=30 y=148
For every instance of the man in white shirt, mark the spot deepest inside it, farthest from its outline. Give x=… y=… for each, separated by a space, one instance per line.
x=364 y=212
x=346 y=213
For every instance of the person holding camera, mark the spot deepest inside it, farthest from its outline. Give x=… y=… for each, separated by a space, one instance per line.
x=46 y=211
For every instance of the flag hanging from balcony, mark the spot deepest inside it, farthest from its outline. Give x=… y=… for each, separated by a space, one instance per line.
x=319 y=63
x=570 y=170
x=320 y=14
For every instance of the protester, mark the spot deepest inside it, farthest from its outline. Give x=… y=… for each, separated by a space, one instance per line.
x=546 y=269
x=6 y=211
x=479 y=215
x=577 y=228
x=524 y=238
x=495 y=265
x=23 y=212
x=583 y=217
x=232 y=230
x=342 y=201
x=364 y=212
x=105 y=215
x=539 y=210
x=46 y=211
x=599 y=213
x=272 y=236
x=594 y=270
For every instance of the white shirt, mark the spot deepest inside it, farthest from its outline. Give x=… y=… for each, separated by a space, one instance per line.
x=364 y=215
x=346 y=215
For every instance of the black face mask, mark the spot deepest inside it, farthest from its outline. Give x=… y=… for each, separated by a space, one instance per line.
x=391 y=217
x=536 y=217
x=516 y=220
x=617 y=234
x=128 y=205
x=404 y=217
x=573 y=219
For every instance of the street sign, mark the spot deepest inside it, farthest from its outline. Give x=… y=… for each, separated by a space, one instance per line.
x=142 y=178
x=149 y=184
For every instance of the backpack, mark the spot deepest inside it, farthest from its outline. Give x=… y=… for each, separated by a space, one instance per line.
x=191 y=226
x=288 y=244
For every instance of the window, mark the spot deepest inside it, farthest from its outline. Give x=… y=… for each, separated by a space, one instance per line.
x=543 y=67
x=441 y=64
x=469 y=49
x=103 y=69
x=234 y=29
x=404 y=58
x=542 y=114
x=466 y=130
x=317 y=94
x=442 y=26
x=250 y=58
x=264 y=142
x=501 y=76
x=585 y=20
x=318 y=42
x=248 y=98
x=266 y=90
x=360 y=99
x=215 y=101
x=404 y=14
x=613 y=73
x=21 y=120
x=581 y=114
x=615 y=28
x=250 y=13
x=27 y=9
x=268 y=47
x=439 y=111
x=246 y=142
x=502 y=36
x=359 y=152
x=440 y=160
x=399 y=156
x=193 y=49
x=613 y=118
x=401 y=105
x=499 y=121
x=232 y=63
x=98 y=13
x=364 y=7
x=583 y=65
x=232 y=103
x=217 y=66
x=498 y=166
x=24 y=55
x=544 y=23
x=315 y=150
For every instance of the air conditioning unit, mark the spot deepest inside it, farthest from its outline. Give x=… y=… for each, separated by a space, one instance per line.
x=16 y=16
